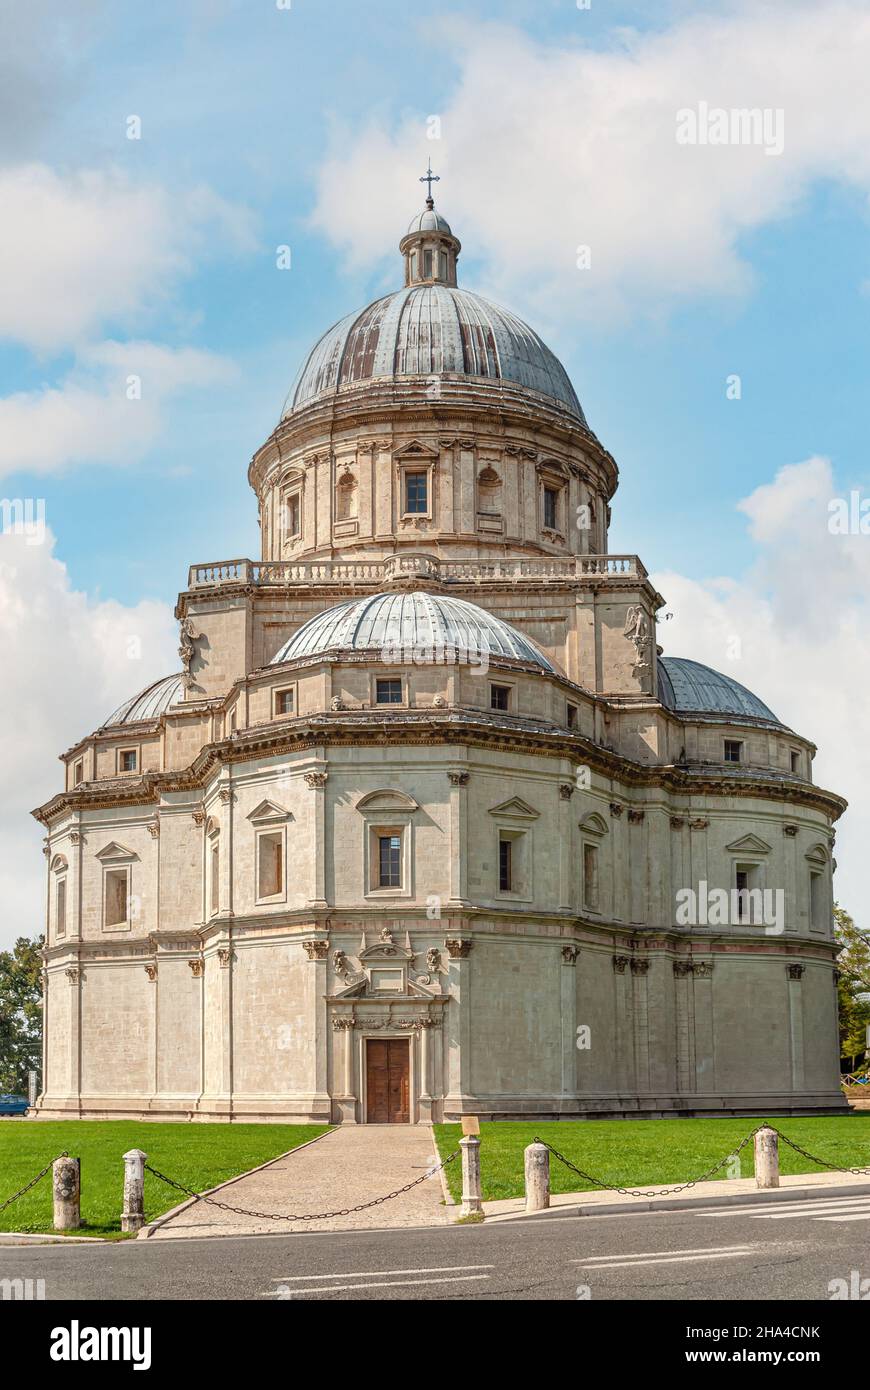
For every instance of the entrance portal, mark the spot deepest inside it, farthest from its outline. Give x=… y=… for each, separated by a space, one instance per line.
x=388 y=1081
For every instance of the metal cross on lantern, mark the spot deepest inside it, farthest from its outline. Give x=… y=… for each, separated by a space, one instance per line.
x=430 y=178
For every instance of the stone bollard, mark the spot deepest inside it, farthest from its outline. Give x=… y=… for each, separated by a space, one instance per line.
x=133 y=1215
x=471 y=1202
x=537 y=1177
x=67 y=1188
x=766 y=1157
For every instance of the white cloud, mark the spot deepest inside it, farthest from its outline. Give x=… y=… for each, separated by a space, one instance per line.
x=67 y=666
x=80 y=250
x=96 y=415
x=548 y=148
x=801 y=617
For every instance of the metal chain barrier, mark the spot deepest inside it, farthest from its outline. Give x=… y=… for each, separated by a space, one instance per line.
x=33 y=1181
x=822 y=1162
x=663 y=1192
x=307 y=1216
x=683 y=1187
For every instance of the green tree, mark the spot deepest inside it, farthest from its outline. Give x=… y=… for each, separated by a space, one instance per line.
x=20 y=1013
x=853 y=988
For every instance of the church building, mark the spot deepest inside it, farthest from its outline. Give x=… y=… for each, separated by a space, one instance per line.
x=427 y=824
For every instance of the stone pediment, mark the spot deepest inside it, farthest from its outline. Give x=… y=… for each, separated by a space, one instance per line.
x=593 y=824
x=115 y=851
x=366 y=989
x=817 y=855
x=385 y=950
x=748 y=844
x=415 y=449
x=515 y=809
x=269 y=811
x=387 y=799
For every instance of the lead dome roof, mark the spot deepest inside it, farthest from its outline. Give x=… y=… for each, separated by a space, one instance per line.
x=432 y=327
x=417 y=621
x=688 y=687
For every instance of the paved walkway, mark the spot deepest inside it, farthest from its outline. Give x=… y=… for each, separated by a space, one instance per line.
x=350 y=1164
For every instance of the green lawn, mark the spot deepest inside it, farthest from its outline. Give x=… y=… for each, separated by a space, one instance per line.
x=632 y=1153
x=199 y=1155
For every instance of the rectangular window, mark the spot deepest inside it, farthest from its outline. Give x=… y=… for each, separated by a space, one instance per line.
x=817 y=900
x=60 y=907
x=795 y=761
x=572 y=716
x=292 y=516
x=389 y=861
x=551 y=508
x=388 y=691
x=115 y=898
x=416 y=493
x=427 y=265
x=284 y=701
x=215 y=886
x=505 y=879
x=733 y=751
x=747 y=881
x=78 y=773
x=499 y=697
x=270 y=870
x=590 y=876
x=128 y=759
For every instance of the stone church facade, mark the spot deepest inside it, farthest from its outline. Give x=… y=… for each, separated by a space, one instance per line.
x=412 y=833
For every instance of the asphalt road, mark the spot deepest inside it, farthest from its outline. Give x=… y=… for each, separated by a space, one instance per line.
x=789 y=1250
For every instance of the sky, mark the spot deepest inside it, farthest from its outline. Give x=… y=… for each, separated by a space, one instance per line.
x=709 y=300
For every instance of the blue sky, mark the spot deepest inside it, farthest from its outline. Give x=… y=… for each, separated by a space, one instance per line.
x=307 y=126
x=251 y=100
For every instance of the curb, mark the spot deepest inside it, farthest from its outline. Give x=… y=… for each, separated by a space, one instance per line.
x=449 y=1203
x=39 y=1238
x=736 y=1199
x=153 y=1226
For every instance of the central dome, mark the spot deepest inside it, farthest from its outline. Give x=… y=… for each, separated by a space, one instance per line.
x=416 y=622
x=431 y=328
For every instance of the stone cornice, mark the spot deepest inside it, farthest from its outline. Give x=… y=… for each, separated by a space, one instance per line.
x=634 y=942
x=425 y=728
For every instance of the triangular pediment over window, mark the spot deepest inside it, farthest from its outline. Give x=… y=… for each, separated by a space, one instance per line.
x=515 y=809
x=115 y=851
x=748 y=844
x=415 y=450
x=270 y=811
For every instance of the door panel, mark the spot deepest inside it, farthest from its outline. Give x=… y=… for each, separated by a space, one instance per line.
x=388 y=1085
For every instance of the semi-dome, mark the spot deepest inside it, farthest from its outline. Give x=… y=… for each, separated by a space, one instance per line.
x=431 y=328
x=687 y=687
x=410 y=622
x=150 y=703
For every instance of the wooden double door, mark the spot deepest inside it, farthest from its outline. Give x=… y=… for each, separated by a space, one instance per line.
x=388 y=1081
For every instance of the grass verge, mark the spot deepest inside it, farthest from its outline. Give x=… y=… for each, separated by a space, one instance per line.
x=636 y=1153
x=198 y=1155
